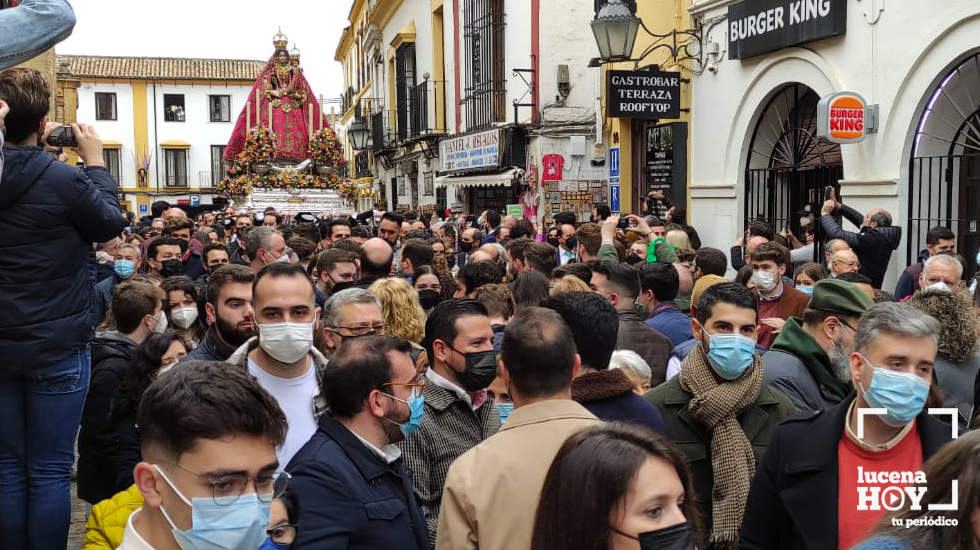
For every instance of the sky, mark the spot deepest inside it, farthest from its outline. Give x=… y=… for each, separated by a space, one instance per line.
x=236 y=29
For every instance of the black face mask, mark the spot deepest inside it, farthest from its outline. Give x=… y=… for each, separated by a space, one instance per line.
x=428 y=299
x=337 y=287
x=553 y=241
x=465 y=246
x=172 y=268
x=675 y=537
x=183 y=246
x=570 y=243
x=481 y=369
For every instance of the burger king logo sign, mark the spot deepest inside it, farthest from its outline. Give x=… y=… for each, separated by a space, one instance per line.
x=844 y=117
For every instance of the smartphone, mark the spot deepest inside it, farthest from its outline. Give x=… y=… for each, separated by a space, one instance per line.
x=828 y=193
x=624 y=223
x=62 y=136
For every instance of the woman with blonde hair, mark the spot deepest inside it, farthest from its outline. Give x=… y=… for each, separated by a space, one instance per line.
x=400 y=307
x=569 y=283
x=404 y=316
x=678 y=239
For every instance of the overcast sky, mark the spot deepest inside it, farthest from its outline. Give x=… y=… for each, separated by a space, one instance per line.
x=239 y=29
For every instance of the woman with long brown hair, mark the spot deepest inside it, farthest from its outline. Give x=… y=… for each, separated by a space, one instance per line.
x=617 y=487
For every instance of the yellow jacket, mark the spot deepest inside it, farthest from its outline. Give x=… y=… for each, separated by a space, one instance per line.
x=105 y=526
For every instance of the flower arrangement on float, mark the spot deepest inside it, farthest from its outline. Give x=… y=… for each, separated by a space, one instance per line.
x=252 y=167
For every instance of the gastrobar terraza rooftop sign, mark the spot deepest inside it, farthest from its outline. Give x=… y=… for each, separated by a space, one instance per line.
x=645 y=95
x=759 y=26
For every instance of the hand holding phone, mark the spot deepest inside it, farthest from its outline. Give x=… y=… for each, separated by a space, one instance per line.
x=61 y=136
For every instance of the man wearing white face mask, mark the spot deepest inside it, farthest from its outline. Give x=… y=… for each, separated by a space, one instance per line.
x=942 y=271
x=263 y=246
x=777 y=300
x=816 y=487
x=282 y=357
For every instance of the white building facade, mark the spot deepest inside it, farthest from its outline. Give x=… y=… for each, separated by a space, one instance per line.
x=754 y=152
x=475 y=81
x=164 y=122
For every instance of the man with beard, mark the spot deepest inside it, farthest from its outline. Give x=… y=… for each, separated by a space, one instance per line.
x=282 y=358
x=808 y=361
x=229 y=313
x=351 y=479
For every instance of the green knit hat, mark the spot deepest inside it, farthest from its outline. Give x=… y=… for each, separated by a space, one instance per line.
x=839 y=297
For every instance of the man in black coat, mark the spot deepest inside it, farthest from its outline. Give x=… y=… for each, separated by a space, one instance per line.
x=136 y=308
x=873 y=244
x=50 y=215
x=807 y=492
x=350 y=479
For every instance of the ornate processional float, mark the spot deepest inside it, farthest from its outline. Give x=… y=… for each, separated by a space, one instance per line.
x=283 y=152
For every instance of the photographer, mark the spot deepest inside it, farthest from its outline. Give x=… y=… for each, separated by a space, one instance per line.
x=50 y=214
x=31 y=27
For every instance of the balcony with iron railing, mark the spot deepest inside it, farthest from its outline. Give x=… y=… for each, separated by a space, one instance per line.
x=362 y=165
x=382 y=134
x=422 y=114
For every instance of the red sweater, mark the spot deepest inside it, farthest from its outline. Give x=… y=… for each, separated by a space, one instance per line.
x=853 y=525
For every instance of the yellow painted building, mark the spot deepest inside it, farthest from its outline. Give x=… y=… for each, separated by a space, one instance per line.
x=634 y=137
x=164 y=122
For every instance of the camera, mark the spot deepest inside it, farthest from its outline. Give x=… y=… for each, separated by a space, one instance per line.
x=624 y=223
x=62 y=136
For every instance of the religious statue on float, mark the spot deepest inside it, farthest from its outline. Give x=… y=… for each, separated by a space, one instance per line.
x=281 y=139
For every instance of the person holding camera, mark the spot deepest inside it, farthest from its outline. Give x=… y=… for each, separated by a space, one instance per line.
x=50 y=214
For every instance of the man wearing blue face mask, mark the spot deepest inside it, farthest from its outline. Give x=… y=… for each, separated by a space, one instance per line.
x=209 y=472
x=126 y=263
x=718 y=409
x=352 y=484
x=820 y=484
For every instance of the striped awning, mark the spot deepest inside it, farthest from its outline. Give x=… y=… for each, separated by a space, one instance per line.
x=493 y=179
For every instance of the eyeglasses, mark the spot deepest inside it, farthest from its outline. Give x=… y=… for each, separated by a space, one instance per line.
x=362 y=330
x=283 y=533
x=226 y=488
x=416 y=385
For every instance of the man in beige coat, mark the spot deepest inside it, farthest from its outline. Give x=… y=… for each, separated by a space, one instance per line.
x=492 y=490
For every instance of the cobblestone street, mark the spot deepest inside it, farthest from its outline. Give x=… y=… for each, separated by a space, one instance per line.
x=79 y=513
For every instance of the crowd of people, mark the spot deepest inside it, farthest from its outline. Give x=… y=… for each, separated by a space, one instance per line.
x=249 y=379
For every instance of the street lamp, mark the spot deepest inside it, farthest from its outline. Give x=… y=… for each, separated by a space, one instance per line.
x=358 y=134
x=615 y=28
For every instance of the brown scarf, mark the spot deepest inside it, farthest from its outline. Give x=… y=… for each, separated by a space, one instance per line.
x=717 y=405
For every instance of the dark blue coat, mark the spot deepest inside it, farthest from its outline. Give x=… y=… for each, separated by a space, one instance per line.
x=351 y=499
x=50 y=214
x=671 y=322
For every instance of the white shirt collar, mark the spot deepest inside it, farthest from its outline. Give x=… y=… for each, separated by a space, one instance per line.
x=131 y=539
x=444 y=383
x=389 y=454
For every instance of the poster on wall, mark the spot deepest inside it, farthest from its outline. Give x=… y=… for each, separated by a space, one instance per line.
x=666 y=163
x=577 y=196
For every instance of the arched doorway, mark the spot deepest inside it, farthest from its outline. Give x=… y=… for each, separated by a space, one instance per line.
x=787 y=167
x=944 y=170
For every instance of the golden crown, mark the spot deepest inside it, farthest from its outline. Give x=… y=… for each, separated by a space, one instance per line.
x=294 y=53
x=280 y=40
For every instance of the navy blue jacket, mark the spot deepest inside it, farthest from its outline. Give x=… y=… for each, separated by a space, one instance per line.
x=608 y=394
x=50 y=214
x=671 y=322
x=351 y=499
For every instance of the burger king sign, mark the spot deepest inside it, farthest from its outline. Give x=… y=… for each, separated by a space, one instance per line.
x=844 y=117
